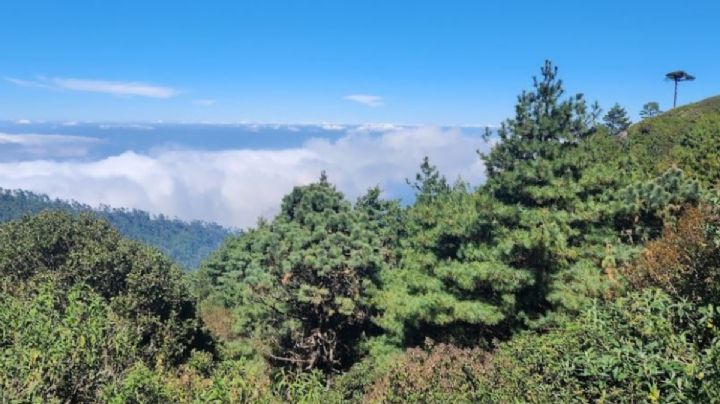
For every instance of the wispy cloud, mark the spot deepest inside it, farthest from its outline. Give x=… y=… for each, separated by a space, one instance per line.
x=120 y=88
x=205 y=102
x=19 y=147
x=132 y=126
x=29 y=83
x=33 y=139
x=365 y=99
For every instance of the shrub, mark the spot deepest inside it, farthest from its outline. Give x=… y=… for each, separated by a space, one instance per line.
x=140 y=385
x=60 y=347
x=433 y=374
x=137 y=282
x=644 y=347
x=685 y=261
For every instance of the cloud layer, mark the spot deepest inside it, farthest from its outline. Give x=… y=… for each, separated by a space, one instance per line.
x=235 y=187
x=120 y=88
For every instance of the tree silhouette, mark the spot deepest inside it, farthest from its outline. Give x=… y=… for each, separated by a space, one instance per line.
x=678 y=76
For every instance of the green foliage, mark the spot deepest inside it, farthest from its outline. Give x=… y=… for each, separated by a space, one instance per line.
x=138 y=283
x=616 y=120
x=140 y=385
x=442 y=288
x=302 y=283
x=645 y=206
x=687 y=137
x=646 y=347
x=187 y=243
x=642 y=348
x=560 y=212
x=60 y=346
x=552 y=187
x=429 y=183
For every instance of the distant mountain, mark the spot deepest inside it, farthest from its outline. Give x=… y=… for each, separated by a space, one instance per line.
x=188 y=243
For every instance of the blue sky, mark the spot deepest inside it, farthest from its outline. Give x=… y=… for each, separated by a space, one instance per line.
x=439 y=62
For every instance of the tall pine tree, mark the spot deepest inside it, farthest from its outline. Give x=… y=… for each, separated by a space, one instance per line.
x=444 y=286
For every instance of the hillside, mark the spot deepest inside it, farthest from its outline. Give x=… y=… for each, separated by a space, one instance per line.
x=687 y=137
x=188 y=243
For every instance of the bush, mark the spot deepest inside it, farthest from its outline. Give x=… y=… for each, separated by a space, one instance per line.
x=140 y=385
x=685 y=261
x=434 y=374
x=645 y=347
x=60 y=347
x=137 y=282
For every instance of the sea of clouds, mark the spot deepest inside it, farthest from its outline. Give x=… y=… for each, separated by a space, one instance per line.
x=234 y=186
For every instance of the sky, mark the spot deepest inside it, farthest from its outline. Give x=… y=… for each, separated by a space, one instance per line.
x=436 y=62
x=188 y=107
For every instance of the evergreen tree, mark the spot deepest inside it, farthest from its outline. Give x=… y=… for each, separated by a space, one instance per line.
x=429 y=183
x=616 y=120
x=444 y=287
x=561 y=210
x=650 y=110
x=302 y=282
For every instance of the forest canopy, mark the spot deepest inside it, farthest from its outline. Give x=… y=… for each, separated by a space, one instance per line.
x=188 y=243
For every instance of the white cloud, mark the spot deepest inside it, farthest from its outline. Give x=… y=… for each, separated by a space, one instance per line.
x=205 y=102
x=365 y=99
x=382 y=127
x=28 y=83
x=116 y=87
x=126 y=126
x=33 y=139
x=18 y=147
x=235 y=187
x=120 y=88
x=330 y=126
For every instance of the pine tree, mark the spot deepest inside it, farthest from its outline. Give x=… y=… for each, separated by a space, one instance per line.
x=429 y=183
x=302 y=283
x=562 y=210
x=650 y=110
x=443 y=288
x=616 y=120
x=550 y=179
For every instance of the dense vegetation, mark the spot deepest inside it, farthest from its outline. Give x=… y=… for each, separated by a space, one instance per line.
x=188 y=243
x=585 y=269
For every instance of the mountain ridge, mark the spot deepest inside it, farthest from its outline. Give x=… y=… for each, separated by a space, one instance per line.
x=186 y=242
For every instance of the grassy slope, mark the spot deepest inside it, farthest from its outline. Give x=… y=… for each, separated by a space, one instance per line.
x=687 y=136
